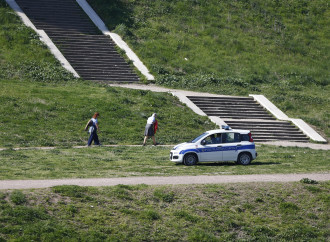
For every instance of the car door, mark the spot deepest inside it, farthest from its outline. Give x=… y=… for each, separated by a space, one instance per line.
x=229 y=146
x=209 y=149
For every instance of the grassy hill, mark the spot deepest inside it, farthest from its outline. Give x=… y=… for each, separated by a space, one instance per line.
x=276 y=48
x=43 y=105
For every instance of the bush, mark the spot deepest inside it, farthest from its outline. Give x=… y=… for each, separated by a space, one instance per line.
x=308 y=181
x=70 y=190
x=18 y=197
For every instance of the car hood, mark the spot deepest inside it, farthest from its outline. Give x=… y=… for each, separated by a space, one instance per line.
x=182 y=146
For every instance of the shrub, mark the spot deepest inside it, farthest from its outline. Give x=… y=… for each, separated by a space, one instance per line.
x=18 y=197
x=164 y=196
x=71 y=190
x=308 y=181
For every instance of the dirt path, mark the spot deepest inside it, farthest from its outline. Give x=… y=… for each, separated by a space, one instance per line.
x=173 y=180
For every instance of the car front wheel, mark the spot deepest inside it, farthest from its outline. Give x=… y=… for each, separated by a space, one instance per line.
x=244 y=159
x=190 y=160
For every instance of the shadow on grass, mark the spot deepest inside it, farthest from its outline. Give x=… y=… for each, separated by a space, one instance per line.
x=231 y=164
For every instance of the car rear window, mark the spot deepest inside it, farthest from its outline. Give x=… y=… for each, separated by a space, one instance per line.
x=245 y=137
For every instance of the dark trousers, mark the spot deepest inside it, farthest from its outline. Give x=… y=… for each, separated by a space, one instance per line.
x=93 y=137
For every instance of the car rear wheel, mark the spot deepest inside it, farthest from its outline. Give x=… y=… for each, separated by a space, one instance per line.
x=190 y=160
x=244 y=159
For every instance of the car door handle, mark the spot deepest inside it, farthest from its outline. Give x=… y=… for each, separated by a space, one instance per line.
x=219 y=145
x=239 y=145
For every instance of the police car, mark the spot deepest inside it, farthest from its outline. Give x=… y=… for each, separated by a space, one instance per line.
x=217 y=145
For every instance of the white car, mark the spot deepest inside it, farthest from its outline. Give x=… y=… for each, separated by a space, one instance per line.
x=217 y=145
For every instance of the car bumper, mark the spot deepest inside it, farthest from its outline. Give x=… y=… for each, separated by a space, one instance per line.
x=176 y=157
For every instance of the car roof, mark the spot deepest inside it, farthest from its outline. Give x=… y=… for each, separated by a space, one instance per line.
x=215 y=131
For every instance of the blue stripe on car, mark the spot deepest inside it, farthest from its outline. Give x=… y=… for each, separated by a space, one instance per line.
x=192 y=150
x=216 y=149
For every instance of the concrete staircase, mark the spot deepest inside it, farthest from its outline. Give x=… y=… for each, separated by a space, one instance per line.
x=90 y=53
x=245 y=113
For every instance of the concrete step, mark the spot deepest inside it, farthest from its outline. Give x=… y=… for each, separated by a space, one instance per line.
x=222 y=100
x=109 y=77
x=259 y=123
x=245 y=117
x=109 y=59
x=239 y=116
x=270 y=138
x=275 y=129
x=86 y=43
x=108 y=73
x=219 y=98
x=70 y=37
x=51 y=33
x=277 y=134
x=236 y=111
x=261 y=140
x=105 y=68
x=81 y=48
x=56 y=27
x=104 y=58
x=95 y=39
x=92 y=54
x=126 y=80
x=98 y=64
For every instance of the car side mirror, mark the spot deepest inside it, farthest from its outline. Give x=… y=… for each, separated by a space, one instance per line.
x=203 y=142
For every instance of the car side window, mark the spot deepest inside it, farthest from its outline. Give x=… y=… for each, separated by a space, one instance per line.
x=231 y=138
x=213 y=139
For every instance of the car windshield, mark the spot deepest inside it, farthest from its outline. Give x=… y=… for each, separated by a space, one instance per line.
x=197 y=138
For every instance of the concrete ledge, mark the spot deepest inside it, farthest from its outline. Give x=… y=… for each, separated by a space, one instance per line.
x=21 y=14
x=43 y=37
x=56 y=52
x=183 y=98
x=304 y=127
x=270 y=106
x=180 y=94
x=116 y=38
x=218 y=121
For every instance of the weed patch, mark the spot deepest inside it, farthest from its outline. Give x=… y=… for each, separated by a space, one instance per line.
x=70 y=190
x=17 y=197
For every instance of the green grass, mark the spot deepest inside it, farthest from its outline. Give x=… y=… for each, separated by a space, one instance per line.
x=276 y=48
x=149 y=161
x=55 y=114
x=279 y=51
x=43 y=105
x=230 y=212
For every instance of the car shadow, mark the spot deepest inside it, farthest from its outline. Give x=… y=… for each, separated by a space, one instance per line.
x=232 y=164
